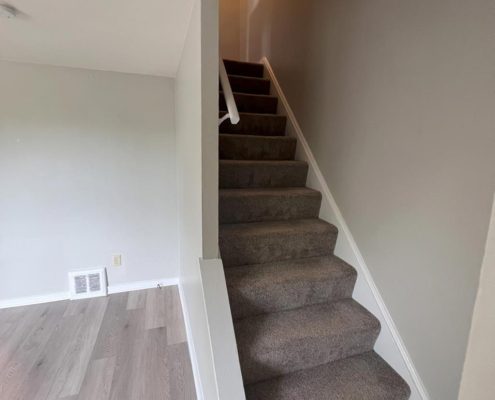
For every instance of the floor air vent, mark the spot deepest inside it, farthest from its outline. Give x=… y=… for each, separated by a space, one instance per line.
x=84 y=284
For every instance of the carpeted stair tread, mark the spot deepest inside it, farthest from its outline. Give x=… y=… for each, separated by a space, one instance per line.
x=264 y=288
x=244 y=68
x=250 y=147
x=262 y=242
x=253 y=103
x=268 y=204
x=362 y=377
x=245 y=84
x=255 y=124
x=257 y=174
x=279 y=343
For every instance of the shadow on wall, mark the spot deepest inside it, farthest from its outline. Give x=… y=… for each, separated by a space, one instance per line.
x=292 y=23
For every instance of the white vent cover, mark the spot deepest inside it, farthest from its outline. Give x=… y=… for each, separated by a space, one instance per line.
x=90 y=283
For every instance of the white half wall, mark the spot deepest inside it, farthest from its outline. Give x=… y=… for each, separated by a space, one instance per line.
x=87 y=170
x=197 y=159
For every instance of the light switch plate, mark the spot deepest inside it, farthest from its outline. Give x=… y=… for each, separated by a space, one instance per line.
x=117 y=260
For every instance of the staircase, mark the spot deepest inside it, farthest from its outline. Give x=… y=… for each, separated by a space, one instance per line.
x=299 y=333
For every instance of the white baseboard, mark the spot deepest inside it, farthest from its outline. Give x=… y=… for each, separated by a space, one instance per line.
x=142 y=285
x=190 y=344
x=31 y=300
x=51 y=297
x=390 y=344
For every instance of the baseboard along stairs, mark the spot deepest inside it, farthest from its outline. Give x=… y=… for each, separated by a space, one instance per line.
x=299 y=333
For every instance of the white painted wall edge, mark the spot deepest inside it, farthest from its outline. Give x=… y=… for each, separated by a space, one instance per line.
x=221 y=327
x=390 y=345
x=58 y=296
x=142 y=285
x=190 y=344
x=226 y=364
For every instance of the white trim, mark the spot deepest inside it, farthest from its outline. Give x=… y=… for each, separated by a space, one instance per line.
x=31 y=300
x=389 y=344
x=142 y=285
x=190 y=345
x=221 y=329
x=59 y=296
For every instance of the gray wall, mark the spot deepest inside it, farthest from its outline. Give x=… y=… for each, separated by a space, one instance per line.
x=397 y=100
x=87 y=170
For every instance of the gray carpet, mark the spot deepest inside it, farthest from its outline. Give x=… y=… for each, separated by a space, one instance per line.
x=299 y=333
x=253 y=147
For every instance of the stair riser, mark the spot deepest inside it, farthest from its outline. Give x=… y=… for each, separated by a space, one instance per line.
x=304 y=354
x=256 y=124
x=252 y=104
x=242 y=147
x=243 y=176
x=362 y=377
x=249 y=85
x=235 y=209
x=263 y=299
x=244 y=69
x=265 y=248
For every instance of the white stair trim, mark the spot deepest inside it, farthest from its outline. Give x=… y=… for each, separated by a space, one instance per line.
x=190 y=344
x=390 y=345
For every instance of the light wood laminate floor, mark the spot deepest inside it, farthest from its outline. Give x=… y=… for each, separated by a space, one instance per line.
x=128 y=346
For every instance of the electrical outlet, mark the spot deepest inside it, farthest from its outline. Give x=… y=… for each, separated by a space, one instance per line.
x=117 y=260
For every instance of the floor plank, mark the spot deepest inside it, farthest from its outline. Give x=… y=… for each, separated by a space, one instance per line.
x=71 y=374
x=126 y=346
x=13 y=374
x=137 y=300
x=107 y=343
x=98 y=381
x=180 y=373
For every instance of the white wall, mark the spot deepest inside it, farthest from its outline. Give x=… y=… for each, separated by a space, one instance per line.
x=193 y=206
x=87 y=170
x=396 y=100
x=479 y=368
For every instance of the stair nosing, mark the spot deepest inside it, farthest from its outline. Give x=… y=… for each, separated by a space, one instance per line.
x=369 y=355
x=372 y=318
x=256 y=114
x=236 y=277
x=243 y=62
x=270 y=137
x=268 y=162
x=269 y=96
x=249 y=77
x=266 y=224
x=276 y=190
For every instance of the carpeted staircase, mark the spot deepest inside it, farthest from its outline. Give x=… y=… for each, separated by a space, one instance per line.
x=299 y=333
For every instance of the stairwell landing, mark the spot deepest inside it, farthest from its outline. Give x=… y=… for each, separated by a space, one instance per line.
x=299 y=333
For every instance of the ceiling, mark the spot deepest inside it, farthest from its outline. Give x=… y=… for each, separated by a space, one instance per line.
x=136 y=36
